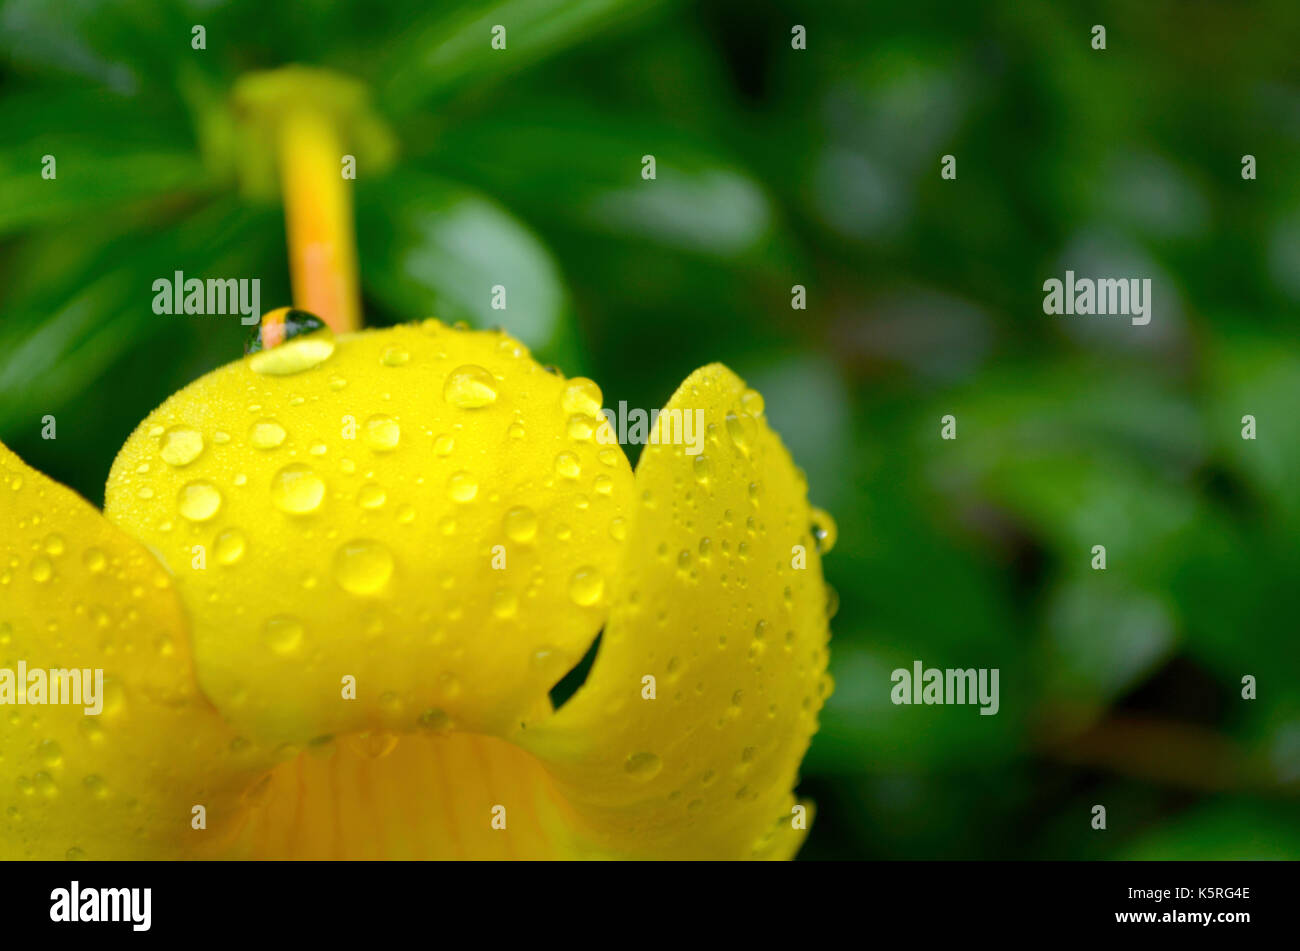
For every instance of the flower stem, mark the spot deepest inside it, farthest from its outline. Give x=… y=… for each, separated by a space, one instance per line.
x=318 y=219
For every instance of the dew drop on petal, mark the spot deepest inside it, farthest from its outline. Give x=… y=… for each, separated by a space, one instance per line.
x=363 y=566
x=283 y=634
x=581 y=396
x=824 y=530
x=751 y=401
x=266 y=434
x=643 y=765
x=180 y=445
x=382 y=433
x=520 y=524
x=371 y=496
x=297 y=489
x=462 y=486
x=198 y=501
x=470 y=387
x=567 y=465
x=586 y=586
x=229 y=546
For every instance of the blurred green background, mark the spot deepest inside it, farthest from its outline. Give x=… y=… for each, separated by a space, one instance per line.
x=779 y=167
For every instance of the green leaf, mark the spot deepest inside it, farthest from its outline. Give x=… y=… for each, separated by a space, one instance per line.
x=452 y=44
x=434 y=248
x=585 y=168
x=104 y=152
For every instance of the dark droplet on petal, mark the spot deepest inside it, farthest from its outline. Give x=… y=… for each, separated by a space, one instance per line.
x=280 y=326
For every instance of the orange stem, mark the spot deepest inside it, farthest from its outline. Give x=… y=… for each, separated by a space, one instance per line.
x=318 y=220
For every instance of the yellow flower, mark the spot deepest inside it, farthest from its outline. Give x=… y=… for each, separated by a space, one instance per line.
x=329 y=606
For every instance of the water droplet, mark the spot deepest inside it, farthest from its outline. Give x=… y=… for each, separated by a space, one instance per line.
x=371 y=496
x=603 y=485
x=266 y=434
x=516 y=431
x=520 y=524
x=824 y=530
x=294 y=356
x=283 y=634
x=363 y=566
x=199 y=501
x=54 y=545
x=581 y=427
x=435 y=720
x=618 y=529
x=462 y=486
x=567 y=465
x=751 y=401
x=180 y=446
x=505 y=603
x=297 y=489
x=586 y=586
x=379 y=743
x=832 y=602
x=395 y=357
x=229 y=546
x=643 y=765
x=581 y=396
x=702 y=469
x=382 y=433
x=470 y=387
x=742 y=429
x=51 y=754
x=444 y=444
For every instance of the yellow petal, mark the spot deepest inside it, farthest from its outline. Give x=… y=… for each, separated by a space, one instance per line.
x=422 y=796
x=734 y=638
x=78 y=594
x=423 y=517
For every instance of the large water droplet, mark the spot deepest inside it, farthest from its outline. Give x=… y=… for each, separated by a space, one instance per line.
x=567 y=465
x=283 y=634
x=742 y=429
x=470 y=387
x=230 y=546
x=643 y=765
x=294 y=356
x=751 y=401
x=581 y=427
x=297 y=489
x=581 y=396
x=371 y=496
x=180 y=446
x=363 y=566
x=265 y=434
x=586 y=586
x=199 y=501
x=521 y=524
x=382 y=433
x=824 y=530
x=462 y=486
x=42 y=569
